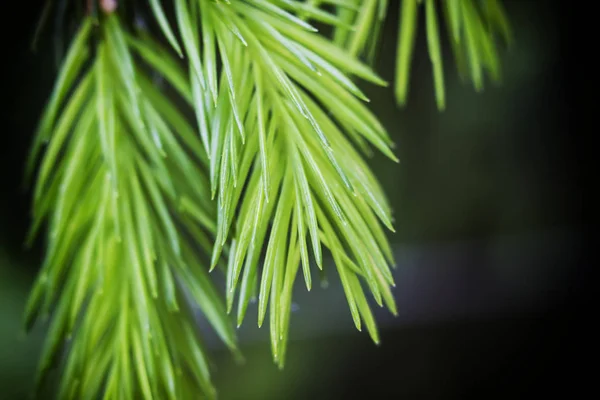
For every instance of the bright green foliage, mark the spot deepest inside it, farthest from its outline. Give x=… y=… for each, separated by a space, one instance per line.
x=253 y=162
x=472 y=26
x=121 y=260
x=363 y=22
x=275 y=154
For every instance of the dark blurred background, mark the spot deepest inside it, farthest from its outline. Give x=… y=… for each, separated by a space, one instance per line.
x=488 y=206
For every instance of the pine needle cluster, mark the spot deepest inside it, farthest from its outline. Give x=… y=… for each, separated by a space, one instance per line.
x=249 y=159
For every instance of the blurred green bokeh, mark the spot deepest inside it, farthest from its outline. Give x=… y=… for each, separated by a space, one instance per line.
x=18 y=355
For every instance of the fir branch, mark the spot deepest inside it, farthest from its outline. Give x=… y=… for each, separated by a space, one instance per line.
x=282 y=169
x=472 y=29
x=121 y=276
